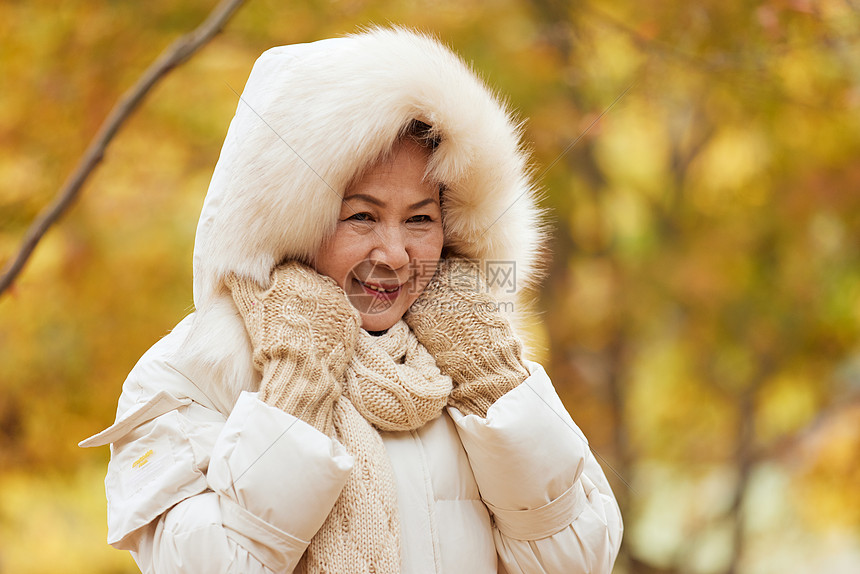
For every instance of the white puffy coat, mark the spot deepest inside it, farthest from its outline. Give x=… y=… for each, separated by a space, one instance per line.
x=191 y=489
x=205 y=477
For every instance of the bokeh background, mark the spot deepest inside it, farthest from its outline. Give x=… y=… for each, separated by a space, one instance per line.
x=701 y=313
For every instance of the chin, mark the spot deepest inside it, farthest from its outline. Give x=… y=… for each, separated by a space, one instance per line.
x=386 y=315
x=377 y=322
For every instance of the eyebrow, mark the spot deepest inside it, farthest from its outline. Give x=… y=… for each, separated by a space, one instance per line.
x=374 y=201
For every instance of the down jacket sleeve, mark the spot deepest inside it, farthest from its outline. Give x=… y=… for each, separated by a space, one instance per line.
x=189 y=488
x=552 y=506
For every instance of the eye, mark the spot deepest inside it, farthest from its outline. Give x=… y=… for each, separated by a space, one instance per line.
x=419 y=219
x=363 y=216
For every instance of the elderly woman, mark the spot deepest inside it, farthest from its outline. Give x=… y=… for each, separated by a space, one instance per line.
x=348 y=395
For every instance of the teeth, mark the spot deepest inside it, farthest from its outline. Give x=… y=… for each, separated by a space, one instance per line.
x=380 y=289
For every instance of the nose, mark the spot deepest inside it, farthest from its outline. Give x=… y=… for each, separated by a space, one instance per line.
x=391 y=248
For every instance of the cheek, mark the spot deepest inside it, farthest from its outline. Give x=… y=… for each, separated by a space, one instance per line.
x=433 y=244
x=425 y=259
x=336 y=258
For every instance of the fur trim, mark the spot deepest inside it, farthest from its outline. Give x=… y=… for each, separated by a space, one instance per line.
x=313 y=115
x=216 y=354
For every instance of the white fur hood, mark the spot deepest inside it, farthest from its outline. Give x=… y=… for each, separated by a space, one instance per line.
x=310 y=117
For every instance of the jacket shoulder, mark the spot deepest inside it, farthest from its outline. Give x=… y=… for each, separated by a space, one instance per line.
x=157 y=372
x=154 y=387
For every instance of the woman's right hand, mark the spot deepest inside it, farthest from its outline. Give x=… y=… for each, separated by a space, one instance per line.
x=303 y=331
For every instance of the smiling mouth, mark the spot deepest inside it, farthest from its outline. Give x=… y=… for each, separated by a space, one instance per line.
x=387 y=292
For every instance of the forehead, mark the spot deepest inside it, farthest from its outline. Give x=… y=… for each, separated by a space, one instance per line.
x=401 y=173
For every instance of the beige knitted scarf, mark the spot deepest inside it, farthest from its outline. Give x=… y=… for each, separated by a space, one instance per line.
x=391 y=384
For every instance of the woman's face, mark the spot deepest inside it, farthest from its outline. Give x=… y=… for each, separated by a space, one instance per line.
x=388 y=238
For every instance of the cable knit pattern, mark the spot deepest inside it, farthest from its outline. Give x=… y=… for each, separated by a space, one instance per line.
x=307 y=342
x=303 y=331
x=362 y=532
x=394 y=381
x=459 y=323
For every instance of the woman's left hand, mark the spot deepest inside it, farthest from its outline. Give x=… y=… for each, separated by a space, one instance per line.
x=459 y=322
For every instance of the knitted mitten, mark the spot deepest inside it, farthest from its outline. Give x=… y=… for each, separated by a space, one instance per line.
x=458 y=321
x=303 y=331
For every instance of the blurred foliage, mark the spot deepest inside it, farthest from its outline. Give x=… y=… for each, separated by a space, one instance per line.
x=702 y=309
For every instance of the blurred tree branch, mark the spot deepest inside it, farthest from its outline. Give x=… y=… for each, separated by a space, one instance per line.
x=742 y=67
x=787 y=447
x=177 y=53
